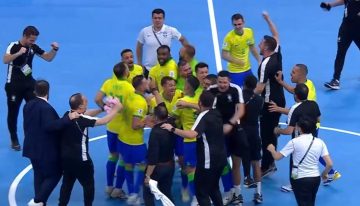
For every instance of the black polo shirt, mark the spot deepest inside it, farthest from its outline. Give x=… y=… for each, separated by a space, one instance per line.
x=161 y=145
x=14 y=68
x=210 y=143
x=75 y=139
x=307 y=108
x=226 y=101
x=253 y=107
x=268 y=68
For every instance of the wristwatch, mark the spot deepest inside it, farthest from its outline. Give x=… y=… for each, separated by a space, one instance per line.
x=172 y=129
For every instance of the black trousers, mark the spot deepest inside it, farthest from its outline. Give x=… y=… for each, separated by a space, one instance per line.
x=348 y=32
x=46 y=176
x=163 y=174
x=83 y=171
x=305 y=190
x=207 y=186
x=254 y=150
x=15 y=93
x=268 y=121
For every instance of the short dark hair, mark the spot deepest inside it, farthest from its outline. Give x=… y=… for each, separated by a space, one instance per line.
x=200 y=65
x=119 y=69
x=224 y=73
x=306 y=124
x=165 y=79
x=75 y=101
x=250 y=82
x=270 y=42
x=301 y=91
x=31 y=31
x=136 y=82
x=125 y=51
x=207 y=99
x=181 y=63
x=237 y=16
x=190 y=50
x=163 y=47
x=42 y=88
x=193 y=81
x=303 y=68
x=212 y=78
x=161 y=112
x=158 y=11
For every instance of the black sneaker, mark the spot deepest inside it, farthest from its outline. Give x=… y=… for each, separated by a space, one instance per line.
x=334 y=84
x=249 y=183
x=237 y=200
x=258 y=198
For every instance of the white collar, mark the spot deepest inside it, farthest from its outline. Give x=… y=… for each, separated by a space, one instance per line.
x=43 y=98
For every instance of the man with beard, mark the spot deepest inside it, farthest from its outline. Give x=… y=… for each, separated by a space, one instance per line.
x=128 y=58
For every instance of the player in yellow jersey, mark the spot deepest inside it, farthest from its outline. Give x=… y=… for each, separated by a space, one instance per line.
x=117 y=87
x=187 y=117
x=134 y=69
x=235 y=50
x=187 y=53
x=201 y=71
x=166 y=67
x=131 y=136
x=184 y=71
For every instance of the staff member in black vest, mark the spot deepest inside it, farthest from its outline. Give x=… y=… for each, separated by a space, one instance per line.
x=19 y=81
x=210 y=150
x=306 y=151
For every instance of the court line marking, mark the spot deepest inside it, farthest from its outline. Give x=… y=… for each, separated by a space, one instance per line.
x=18 y=178
x=214 y=35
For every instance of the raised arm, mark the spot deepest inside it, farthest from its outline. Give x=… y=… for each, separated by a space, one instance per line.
x=272 y=26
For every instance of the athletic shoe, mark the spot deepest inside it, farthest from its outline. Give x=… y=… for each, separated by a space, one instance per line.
x=33 y=203
x=228 y=197
x=249 y=183
x=332 y=177
x=118 y=193
x=15 y=146
x=194 y=202
x=286 y=188
x=185 y=197
x=237 y=200
x=334 y=84
x=109 y=189
x=258 y=198
x=132 y=199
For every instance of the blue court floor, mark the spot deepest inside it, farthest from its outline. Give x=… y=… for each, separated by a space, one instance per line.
x=92 y=33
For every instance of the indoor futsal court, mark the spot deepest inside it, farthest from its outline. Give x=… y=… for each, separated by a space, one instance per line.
x=92 y=33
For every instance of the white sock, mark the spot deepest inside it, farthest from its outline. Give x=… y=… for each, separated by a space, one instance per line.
x=237 y=189
x=258 y=187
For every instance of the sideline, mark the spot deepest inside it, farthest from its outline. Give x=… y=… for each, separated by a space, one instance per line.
x=18 y=178
x=214 y=35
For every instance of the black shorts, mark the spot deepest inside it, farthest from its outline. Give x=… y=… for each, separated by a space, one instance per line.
x=237 y=143
x=252 y=134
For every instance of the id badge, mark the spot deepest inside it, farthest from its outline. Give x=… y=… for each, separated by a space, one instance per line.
x=294 y=173
x=26 y=70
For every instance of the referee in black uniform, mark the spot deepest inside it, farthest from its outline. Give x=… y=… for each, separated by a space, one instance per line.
x=19 y=81
x=210 y=148
x=349 y=31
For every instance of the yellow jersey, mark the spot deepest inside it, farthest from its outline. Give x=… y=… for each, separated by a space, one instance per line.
x=187 y=116
x=135 y=106
x=170 y=105
x=158 y=72
x=312 y=90
x=238 y=47
x=120 y=89
x=136 y=70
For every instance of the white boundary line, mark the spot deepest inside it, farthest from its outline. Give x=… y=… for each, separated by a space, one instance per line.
x=214 y=35
x=18 y=178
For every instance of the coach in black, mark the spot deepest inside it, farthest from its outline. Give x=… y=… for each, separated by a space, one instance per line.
x=19 y=82
x=271 y=91
x=75 y=158
x=160 y=156
x=210 y=148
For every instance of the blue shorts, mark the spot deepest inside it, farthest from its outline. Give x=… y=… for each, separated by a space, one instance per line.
x=112 y=140
x=133 y=154
x=238 y=78
x=190 y=154
x=179 y=146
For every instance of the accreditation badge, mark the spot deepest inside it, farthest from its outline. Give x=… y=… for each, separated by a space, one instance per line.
x=26 y=70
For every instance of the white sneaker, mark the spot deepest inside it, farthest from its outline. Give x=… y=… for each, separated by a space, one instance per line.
x=108 y=190
x=194 y=202
x=33 y=203
x=185 y=197
x=118 y=193
x=286 y=188
x=228 y=197
x=132 y=199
